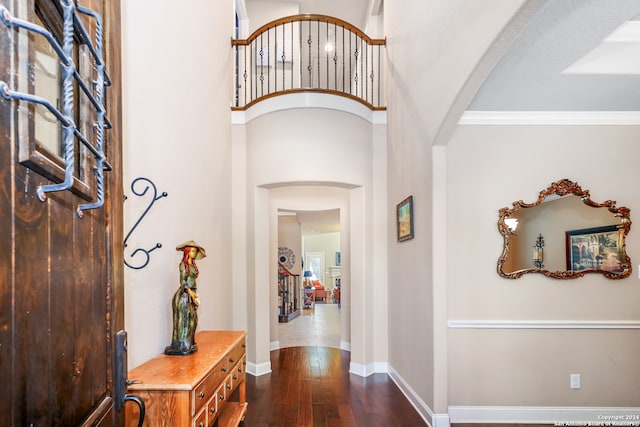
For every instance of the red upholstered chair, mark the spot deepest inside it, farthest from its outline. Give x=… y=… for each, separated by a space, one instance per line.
x=321 y=292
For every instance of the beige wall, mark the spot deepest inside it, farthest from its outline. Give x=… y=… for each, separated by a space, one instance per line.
x=290 y=236
x=177 y=84
x=450 y=39
x=226 y=183
x=260 y=12
x=313 y=147
x=534 y=364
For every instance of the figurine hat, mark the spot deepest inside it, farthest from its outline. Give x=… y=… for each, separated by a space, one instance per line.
x=201 y=252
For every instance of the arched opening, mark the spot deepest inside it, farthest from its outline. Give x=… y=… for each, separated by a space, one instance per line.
x=313 y=206
x=309 y=280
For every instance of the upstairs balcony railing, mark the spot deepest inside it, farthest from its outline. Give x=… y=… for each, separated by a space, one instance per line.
x=309 y=53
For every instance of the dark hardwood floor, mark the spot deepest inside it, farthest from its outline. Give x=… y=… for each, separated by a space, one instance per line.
x=311 y=386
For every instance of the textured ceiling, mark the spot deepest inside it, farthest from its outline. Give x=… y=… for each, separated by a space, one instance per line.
x=529 y=77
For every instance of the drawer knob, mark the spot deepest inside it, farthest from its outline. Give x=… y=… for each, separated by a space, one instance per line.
x=201 y=425
x=221 y=397
x=231 y=360
x=239 y=368
x=235 y=377
x=213 y=410
x=228 y=386
x=224 y=369
x=201 y=395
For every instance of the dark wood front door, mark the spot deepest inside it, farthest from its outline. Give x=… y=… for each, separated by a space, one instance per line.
x=61 y=276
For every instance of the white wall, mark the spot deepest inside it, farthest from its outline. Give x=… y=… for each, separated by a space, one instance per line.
x=489 y=167
x=177 y=80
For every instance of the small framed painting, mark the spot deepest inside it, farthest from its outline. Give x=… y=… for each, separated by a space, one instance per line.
x=404 y=219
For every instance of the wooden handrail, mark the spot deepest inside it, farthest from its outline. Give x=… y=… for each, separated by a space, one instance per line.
x=327 y=91
x=286 y=269
x=308 y=17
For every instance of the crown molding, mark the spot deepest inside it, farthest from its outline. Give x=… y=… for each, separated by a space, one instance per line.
x=580 y=118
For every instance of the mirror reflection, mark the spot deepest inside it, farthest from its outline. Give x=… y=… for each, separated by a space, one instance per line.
x=564 y=235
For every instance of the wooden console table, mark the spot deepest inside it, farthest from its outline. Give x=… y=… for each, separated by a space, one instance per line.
x=193 y=390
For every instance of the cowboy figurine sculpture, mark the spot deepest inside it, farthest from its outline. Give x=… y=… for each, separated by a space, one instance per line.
x=185 y=302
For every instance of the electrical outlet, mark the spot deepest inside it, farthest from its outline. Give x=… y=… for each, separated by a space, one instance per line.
x=575 y=380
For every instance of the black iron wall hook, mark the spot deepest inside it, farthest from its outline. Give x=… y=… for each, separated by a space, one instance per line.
x=155 y=198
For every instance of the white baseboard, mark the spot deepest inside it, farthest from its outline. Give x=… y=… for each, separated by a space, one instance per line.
x=275 y=345
x=258 y=369
x=543 y=324
x=345 y=345
x=366 y=370
x=434 y=420
x=576 y=415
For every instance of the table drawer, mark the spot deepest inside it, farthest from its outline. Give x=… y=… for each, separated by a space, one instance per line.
x=212 y=409
x=200 y=420
x=205 y=389
x=236 y=353
x=237 y=374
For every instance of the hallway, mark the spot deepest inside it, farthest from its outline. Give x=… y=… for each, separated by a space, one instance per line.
x=319 y=326
x=312 y=386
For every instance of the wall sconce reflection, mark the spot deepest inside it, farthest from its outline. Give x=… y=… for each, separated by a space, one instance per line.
x=537 y=252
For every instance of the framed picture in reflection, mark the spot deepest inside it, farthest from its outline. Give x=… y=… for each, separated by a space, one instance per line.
x=598 y=248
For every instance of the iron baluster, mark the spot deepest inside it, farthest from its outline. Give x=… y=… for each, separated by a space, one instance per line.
x=284 y=56
x=318 y=49
x=379 y=73
x=309 y=66
x=244 y=74
x=327 y=53
x=292 y=54
x=335 y=56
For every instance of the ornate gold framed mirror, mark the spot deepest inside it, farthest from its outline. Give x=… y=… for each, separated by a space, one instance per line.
x=564 y=234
